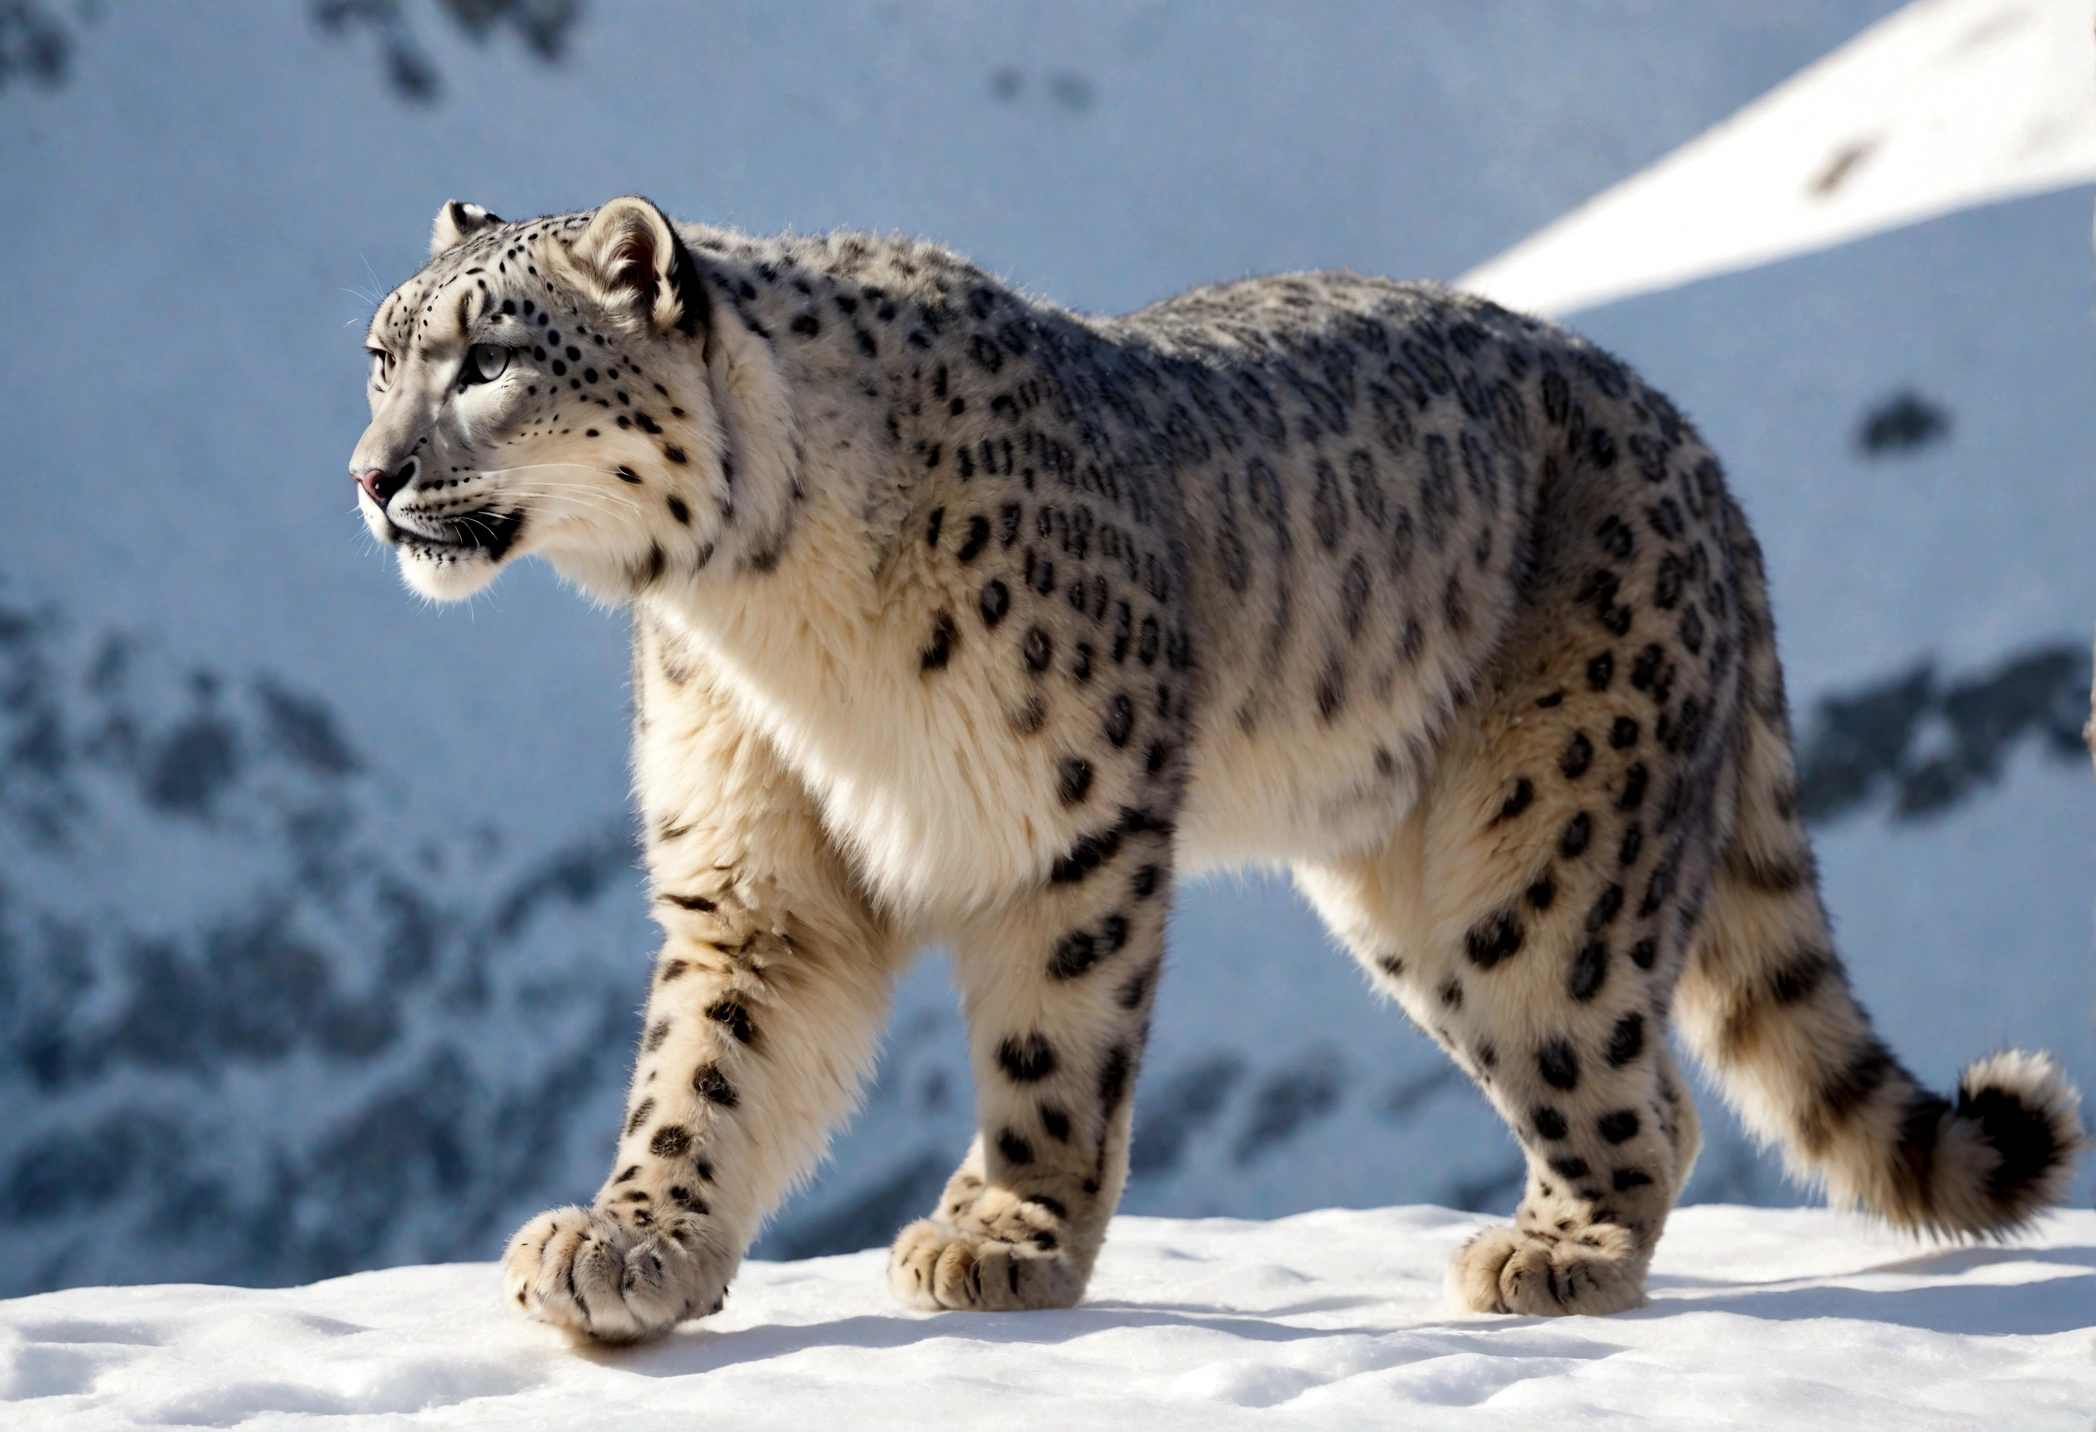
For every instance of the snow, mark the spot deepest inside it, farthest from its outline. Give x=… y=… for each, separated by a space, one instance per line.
x=1945 y=105
x=1334 y=1319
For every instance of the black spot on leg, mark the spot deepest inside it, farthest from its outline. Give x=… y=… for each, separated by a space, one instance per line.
x=642 y=1112
x=1119 y=721
x=1026 y=1061
x=1073 y=779
x=1549 y=1122
x=1601 y=670
x=1057 y=1124
x=658 y=1032
x=670 y=1142
x=995 y=601
x=1144 y=885
x=1623 y=734
x=1577 y=835
x=1524 y=793
x=1452 y=993
x=1075 y=953
x=1570 y=1166
x=1542 y=893
x=938 y=649
x=1494 y=939
x=1113 y=1078
x=1085 y=855
x=1135 y=988
x=1606 y=908
x=1589 y=970
x=1558 y=1063
x=1616 y=537
x=978 y=537
x=1037 y=650
x=1635 y=780
x=1331 y=691
x=932 y=526
x=679 y=511
x=1633 y=845
x=1618 y=1127
x=1627 y=1040
x=733 y=1016
x=1657 y=890
x=1579 y=754
x=1014 y=1146
x=713 y=1086
x=1628 y=1178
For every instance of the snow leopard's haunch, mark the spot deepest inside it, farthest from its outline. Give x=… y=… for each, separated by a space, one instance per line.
x=961 y=618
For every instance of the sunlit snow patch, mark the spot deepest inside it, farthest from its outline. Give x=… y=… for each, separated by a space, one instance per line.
x=1759 y=1318
x=1945 y=105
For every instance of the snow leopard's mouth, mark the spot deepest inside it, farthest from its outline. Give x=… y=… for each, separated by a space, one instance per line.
x=485 y=533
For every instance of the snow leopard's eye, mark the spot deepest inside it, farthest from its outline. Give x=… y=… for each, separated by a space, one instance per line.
x=381 y=368
x=484 y=364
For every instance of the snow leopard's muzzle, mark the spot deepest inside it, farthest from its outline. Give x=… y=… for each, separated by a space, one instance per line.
x=484 y=532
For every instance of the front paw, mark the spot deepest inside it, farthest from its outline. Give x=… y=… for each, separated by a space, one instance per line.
x=591 y=1274
x=1507 y=1270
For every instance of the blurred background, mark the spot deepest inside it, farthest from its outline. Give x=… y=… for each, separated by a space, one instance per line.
x=321 y=937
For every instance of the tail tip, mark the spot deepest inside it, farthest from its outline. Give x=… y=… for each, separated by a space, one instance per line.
x=2026 y=1113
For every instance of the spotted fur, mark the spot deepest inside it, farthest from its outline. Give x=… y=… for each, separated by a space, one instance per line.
x=962 y=618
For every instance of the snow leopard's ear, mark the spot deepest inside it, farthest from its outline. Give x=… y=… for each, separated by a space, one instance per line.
x=633 y=260
x=457 y=222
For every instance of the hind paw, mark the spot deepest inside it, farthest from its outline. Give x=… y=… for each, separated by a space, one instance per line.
x=1504 y=1270
x=935 y=1265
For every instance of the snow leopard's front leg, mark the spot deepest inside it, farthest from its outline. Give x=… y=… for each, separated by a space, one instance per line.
x=1057 y=992
x=763 y=1017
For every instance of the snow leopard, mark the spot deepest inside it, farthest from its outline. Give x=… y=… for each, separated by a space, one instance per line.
x=962 y=619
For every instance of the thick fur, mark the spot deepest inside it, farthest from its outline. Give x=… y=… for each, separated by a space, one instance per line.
x=961 y=618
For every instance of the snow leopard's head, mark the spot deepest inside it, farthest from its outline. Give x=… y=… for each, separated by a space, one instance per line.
x=560 y=387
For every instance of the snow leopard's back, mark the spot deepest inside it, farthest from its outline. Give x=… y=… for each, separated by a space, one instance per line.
x=1358 y=466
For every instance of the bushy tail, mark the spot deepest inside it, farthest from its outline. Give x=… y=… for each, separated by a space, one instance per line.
x=1764 y=1000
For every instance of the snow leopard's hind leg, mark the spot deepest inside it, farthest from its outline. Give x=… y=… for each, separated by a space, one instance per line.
x=763 y=1017
x=1056 y=991
x=1533 y=911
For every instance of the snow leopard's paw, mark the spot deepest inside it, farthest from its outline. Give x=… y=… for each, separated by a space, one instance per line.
x=1505 y=1270
x=591 y=1274
x=935 y=1265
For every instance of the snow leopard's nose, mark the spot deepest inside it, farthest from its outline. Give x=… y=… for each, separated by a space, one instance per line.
x=380 y=485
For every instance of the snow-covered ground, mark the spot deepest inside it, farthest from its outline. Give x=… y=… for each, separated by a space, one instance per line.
x=1333 y=1320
